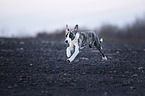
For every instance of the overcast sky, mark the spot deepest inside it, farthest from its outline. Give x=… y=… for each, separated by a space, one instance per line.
x=27 y=17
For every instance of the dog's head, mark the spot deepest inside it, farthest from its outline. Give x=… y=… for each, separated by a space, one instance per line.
x=70 y=34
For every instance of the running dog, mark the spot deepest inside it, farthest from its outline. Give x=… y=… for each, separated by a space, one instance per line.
x=78 y=40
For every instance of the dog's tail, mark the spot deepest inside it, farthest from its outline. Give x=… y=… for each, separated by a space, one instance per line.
x=101 y=40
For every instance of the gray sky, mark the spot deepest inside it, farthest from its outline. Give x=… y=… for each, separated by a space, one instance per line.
x=27 y=17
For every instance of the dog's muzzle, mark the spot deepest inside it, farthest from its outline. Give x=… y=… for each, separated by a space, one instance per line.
x=66 y=41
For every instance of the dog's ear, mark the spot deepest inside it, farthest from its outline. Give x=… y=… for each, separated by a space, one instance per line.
x=76 y=28
x=66 y=30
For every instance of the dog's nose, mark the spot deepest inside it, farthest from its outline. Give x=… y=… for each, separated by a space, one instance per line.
x=66 y=41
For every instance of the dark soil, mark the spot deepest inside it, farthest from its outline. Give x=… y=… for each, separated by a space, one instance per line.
x=34 y=67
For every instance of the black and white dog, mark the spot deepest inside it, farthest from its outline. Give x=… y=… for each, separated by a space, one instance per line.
x=78 y=40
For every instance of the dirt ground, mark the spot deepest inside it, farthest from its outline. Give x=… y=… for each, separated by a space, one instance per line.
x=38 y=67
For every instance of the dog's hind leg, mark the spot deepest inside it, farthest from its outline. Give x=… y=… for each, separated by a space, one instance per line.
x=98 y=46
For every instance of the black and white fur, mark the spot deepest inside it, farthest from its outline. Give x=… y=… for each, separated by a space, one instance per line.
x=78 y=40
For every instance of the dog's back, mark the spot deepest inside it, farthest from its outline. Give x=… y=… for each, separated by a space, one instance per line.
x=87 y=38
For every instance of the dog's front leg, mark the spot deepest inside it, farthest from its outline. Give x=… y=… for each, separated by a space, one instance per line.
x=68 y=51
x=74 y=54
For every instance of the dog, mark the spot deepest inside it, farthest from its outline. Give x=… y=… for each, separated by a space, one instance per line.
x=78 y=40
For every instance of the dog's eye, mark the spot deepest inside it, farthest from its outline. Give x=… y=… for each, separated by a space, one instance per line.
x=70 y=35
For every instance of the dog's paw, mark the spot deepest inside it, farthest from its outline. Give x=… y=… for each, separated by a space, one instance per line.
x=68 y=60
x=104 y=58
